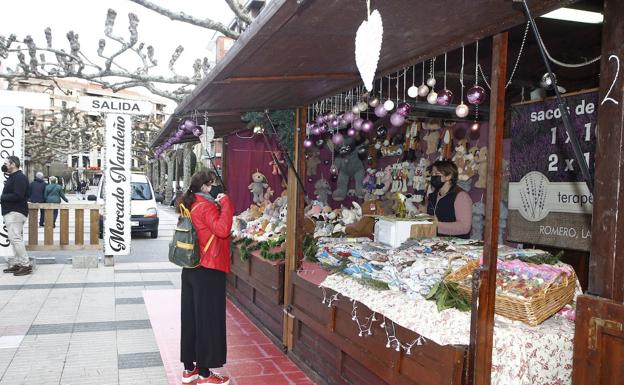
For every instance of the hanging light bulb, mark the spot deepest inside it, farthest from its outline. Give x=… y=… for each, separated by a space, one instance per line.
x=475 y=126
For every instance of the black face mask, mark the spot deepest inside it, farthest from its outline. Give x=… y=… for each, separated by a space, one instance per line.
x=4 y=168
x=436 y=182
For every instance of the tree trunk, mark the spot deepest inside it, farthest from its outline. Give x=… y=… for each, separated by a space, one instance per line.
x=170 y=172
x=188 y=158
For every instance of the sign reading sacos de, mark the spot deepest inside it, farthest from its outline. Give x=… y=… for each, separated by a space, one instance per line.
x=114 y=105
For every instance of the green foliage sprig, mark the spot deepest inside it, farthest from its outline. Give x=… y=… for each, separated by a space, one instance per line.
x=447 y=296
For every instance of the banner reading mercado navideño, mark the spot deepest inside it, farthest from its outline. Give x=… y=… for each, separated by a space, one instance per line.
x=549 y=203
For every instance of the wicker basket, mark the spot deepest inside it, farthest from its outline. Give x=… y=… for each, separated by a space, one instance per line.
x=532 y=311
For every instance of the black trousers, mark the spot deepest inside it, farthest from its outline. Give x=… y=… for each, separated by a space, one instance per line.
x=203 y=333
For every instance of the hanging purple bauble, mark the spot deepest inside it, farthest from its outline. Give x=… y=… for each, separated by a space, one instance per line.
x=198 y=131
x=476 y=95
x=320 y=142
x=307 y=143
x=342 y=121
x=367 y=126
x=445 y=97
x=381 y=132
x=334 y=123
x=320 y=119
x=337 y=139
x=322 y=128
x=189 y=125
x=330 y=116
x=397 y=120
x=348 y=116
x=333 y=169
x=404 y=109
x=351 y=131
x=182 y=126
x=179 y=134
x=380 y=111
x=316 y=130
x=357 y=123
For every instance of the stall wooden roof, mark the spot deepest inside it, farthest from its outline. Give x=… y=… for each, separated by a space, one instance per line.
x=298 y=51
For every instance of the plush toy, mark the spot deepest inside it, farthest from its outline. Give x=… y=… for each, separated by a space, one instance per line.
x=312 y=161
x=399 y=205
x=349 y=167
x=369 y=182
x=482 y=168
x=404 y=174
x=322 y=190
x=396 y=179
x=478 y=216
x=460 y=159
x=257 y=186
x=432 y=124
x=447 y=141
x=268 y=194
x=275 y=162
x=411 y=204
x=432 y=139
x=420 y=179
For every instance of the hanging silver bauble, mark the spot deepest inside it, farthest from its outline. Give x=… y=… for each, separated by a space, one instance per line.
x=423 y=90
x=432 y=98
x=373 y=102
x=412 y=92
x=462 y=110
x=431 y=82
x=389 y=105
x=362 y=106
x=355 y=109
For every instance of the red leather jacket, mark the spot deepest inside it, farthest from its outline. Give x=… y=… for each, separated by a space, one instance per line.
x=209 y=220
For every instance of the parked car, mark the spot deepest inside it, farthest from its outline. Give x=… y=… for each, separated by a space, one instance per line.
x=144 y=214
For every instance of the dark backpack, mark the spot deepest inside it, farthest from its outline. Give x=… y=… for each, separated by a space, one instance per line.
x=184 y=247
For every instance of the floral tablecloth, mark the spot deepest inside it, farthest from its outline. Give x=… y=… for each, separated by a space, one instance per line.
x=522 y=354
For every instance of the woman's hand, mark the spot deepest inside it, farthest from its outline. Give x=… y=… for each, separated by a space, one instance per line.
x=221 y=195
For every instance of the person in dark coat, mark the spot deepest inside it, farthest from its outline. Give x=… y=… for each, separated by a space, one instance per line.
x=14 y=202
x=37 y=187
x=53 y=194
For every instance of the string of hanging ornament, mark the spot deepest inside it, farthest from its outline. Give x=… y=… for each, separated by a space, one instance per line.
x=365 y=326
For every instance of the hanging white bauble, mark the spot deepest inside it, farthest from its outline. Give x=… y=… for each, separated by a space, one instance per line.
x=462 y=110
x=412 y=92
x=432 y=98
x=362 y=106
x=389 y=105
x=373 y=102
x=431 y=82
x=355 y=109
x=423 y=90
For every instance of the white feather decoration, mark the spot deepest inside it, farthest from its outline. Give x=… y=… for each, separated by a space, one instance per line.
x=367 y=48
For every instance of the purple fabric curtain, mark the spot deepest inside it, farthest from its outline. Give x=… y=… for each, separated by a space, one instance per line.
x=246 y=154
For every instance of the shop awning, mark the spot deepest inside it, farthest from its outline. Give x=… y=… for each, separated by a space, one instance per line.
x=298 y=51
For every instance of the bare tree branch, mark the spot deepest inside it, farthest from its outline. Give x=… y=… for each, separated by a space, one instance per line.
x=181 y=16
x=238 y=10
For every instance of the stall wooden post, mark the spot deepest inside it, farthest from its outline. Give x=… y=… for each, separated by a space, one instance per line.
x=294 y=223
x=482 y=323
x=599 y=332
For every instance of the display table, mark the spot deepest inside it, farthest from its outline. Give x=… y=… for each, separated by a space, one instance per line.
x=522 y=354
x=257 y=285
x=326 y=339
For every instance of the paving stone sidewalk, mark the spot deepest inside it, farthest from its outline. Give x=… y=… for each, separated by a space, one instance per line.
x=70 y=326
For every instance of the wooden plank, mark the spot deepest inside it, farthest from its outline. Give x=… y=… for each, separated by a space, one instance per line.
x=482 y=326
x=62 y=247
x=48 y=230
x=33 y=226
x=606 y=265
x=94 y=227
x=64 y=205
x=79 y=230
x=64 y=214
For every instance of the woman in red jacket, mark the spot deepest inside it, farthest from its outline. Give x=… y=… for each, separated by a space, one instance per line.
x=203 y=338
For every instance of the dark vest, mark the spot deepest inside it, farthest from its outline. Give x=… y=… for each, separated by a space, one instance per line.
x=445 y=210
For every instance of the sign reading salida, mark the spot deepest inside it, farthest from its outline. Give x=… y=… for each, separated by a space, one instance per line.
x=117 y=174
x=114 y=105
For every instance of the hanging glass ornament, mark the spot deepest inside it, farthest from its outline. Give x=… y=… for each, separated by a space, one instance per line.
x=462 y=110
x=380 y=111
x=389 y=104
x=373 y=102
x=412 y=92
x=367 y=126
x=307 y=143
x=397 y=120
x=351 y=131
x=337 y=138
x=404 y=109
x=348 y=117
x=445 y=97
x=476 y=94
x=432 y=98
x=357 y=123
x=333 y=169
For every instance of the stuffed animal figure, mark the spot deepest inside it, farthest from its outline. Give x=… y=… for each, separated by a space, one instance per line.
x=432 y=139
x=322 y=190
x=353 y=215
x=460 y=160
x=312 y=161
x=420 y=179
x=349 y=167
x=275 y=162
x=369 y=183
x=268 y=194
x=478 y=216
x=257 y=186
x=399 y=205
x=482 y=168
x=411 y=204
x=396 y=178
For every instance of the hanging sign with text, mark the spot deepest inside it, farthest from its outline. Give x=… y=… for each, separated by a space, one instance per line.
x=117 y=174
x=549 y=203
x=115 y=106
x=11 y=143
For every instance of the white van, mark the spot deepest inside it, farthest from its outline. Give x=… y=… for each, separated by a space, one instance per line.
x=144 y=214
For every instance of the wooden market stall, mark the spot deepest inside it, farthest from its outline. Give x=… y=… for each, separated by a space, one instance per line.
x=298 y=52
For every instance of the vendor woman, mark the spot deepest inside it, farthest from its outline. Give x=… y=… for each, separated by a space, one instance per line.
x=451 y=205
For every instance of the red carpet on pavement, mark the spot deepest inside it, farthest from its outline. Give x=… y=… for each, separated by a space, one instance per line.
x=252 y=358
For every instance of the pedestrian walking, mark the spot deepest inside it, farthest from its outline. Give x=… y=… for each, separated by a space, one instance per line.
x=83 y=189
x=14 y=203
x=53 y=194
x=35 y=194
x=203 y=331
